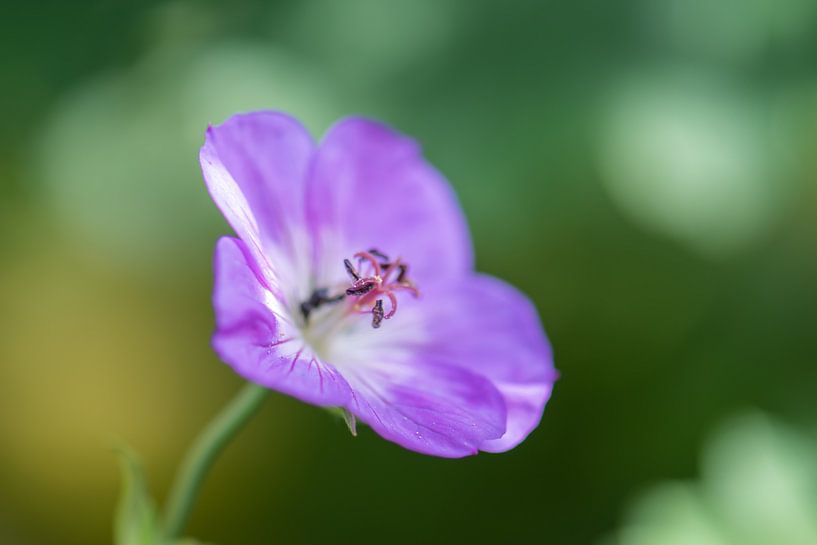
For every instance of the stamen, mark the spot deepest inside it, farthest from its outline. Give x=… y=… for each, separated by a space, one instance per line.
x=318 y=298
x=371 y=286
x=377 y=253
x=377 y=313
x=401 y=276
x=370 y=258
x=389 y=268
x=393 y=301
x=306 y=310
x=408 y=287
x=351 y=269
x=362 y=287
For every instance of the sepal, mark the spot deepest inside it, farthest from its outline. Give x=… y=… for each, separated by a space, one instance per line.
x=136 y=522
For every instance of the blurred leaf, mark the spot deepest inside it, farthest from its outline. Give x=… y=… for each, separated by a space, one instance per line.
x=687 y=154
x=136 y=521
x=114 y=199
x=757 y=488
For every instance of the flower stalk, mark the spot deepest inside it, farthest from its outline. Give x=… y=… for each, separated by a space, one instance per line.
x=203 y=453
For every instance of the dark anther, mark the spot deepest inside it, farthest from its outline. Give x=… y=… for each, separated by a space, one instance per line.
x=351 y=269
x=377 y=313
x=319 y=297
x=306 y=309
x=361 y=287
x=384 y=259
x=377 y=253
x=402 y=274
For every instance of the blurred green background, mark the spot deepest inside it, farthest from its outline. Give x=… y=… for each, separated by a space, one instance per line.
x=643 y=169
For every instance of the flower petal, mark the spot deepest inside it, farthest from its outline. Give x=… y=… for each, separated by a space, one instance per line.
x=427 y=406
x=255 y=168
x=371 y=188
x=490 y=328
x=257 y=342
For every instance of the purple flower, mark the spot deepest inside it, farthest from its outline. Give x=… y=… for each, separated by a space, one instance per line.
x=351 y=285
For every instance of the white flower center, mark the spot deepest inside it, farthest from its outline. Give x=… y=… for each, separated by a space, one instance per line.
x=342 y=324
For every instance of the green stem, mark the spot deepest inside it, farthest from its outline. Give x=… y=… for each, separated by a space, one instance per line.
x=203 y=453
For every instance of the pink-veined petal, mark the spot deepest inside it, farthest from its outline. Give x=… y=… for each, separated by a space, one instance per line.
x=488 y=327
x=258 y=343
x=427 y=406
x=370 y=187
x=255 y=168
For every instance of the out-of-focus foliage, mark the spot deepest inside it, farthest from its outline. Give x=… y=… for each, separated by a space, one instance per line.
x=687 y=156
x=758 y=487
x=643 y=169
